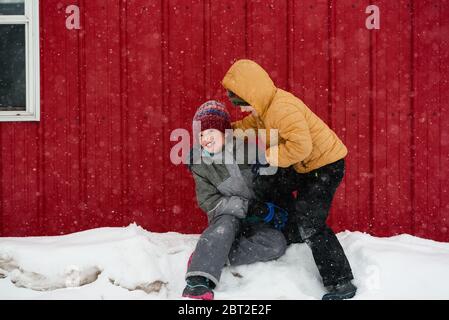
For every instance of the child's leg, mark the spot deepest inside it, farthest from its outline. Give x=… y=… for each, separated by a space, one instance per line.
x=329 y=257
x=212 y=250
x=260 y=244
x=316 y=191
x=278 y=189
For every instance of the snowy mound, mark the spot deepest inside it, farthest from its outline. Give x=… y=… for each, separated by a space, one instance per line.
x=131 y=263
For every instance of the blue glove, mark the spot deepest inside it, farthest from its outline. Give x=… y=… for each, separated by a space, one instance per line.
x=276 y=215
x=267 y=212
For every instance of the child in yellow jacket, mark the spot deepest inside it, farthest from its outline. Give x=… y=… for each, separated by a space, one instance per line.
x=241 y=229
x=311 y=160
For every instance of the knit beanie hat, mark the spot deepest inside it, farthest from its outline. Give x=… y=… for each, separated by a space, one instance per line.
x=213 y=115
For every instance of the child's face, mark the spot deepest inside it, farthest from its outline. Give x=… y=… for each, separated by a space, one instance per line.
x=212 y=140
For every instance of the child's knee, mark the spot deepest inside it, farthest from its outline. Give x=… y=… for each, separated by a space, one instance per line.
x=279 y=244
x=275 y=243
x=225 y=224
x=225 y=218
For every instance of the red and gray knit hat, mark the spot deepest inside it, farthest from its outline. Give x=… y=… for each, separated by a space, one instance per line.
x=213 y=115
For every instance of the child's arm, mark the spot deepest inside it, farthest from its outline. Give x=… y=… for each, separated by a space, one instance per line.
x=216 y=204
x=295 y=134
x=249 y=122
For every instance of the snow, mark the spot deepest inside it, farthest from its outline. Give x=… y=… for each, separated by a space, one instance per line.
x=132 y=263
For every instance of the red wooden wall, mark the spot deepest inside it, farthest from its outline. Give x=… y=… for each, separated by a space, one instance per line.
x=113 y=91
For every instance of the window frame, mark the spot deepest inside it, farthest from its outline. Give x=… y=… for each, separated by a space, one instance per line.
x=32 y=62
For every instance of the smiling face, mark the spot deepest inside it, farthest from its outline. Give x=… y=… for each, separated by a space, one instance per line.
x=212 y=140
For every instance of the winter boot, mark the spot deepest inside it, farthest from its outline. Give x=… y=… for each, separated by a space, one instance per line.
x=198 y=287
x=341 y=291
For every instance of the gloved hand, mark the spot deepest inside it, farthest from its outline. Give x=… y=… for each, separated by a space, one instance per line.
x=267 y=212
x=277 y=216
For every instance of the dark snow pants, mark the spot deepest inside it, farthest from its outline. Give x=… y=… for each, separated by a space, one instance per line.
x=228 y=240
x=308 y=212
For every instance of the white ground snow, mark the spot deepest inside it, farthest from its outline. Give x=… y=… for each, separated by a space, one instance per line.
x=131 y=263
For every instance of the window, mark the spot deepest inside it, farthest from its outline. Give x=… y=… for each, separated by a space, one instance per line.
x=19 y=60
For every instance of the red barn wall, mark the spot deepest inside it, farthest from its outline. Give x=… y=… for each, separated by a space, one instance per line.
x=113 y=91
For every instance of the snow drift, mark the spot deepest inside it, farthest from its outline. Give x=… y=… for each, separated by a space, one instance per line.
x=131 y=263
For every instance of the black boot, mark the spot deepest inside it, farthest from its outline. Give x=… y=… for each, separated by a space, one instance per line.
x=341 y=291
x=198 y=287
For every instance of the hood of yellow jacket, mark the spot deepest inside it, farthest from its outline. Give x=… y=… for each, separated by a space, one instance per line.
x=252 y=83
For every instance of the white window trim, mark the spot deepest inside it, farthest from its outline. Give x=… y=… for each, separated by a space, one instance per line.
x=32 y=66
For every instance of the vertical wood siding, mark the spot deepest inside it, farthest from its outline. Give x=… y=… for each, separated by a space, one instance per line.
x=113 y=91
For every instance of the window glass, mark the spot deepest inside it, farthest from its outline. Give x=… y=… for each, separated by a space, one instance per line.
x=12 y=66
x=12 y=7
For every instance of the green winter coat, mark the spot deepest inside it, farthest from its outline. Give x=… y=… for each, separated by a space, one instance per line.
x=221 y=187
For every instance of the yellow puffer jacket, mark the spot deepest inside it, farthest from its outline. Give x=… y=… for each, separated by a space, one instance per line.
x=305 y=141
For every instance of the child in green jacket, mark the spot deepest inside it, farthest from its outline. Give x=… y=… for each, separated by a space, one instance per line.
x=241 y=230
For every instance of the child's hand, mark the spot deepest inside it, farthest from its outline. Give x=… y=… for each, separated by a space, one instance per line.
x=276 y=215
x=268 y=213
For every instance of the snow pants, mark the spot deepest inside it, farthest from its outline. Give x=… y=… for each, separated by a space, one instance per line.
x=229 y=240
x=308 y=212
